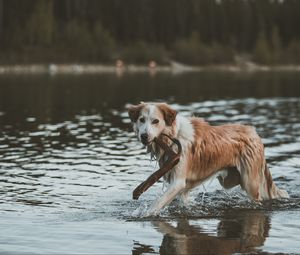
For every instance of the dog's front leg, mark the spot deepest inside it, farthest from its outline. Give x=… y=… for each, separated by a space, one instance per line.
x=173 y=190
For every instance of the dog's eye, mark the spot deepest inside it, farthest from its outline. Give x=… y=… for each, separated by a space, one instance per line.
x=142 y=120
x=155 y=121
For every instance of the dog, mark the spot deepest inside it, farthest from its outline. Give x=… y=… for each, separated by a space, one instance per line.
x=234 y=152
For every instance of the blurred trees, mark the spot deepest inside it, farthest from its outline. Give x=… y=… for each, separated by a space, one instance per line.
x=194 y=52
x=39 y=27
x=192 y=31
x=262 y=51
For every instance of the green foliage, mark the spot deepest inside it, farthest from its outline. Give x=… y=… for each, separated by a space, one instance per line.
x=291 y=54
x=193 y=32
x=94 y=44
x=222 y=54
x=262 y=52
x=77 y=35
x=142 y=52
x=276 y=45
x=39 y=28
x=104 y=43
x=192 y=51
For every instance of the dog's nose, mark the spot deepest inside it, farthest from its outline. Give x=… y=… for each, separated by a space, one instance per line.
x=144 y=138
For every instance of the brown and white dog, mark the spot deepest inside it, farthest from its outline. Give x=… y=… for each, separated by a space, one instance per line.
x=234 y=152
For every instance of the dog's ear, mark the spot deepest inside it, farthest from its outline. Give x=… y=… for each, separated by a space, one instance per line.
x=134 y=111
x=168 y=112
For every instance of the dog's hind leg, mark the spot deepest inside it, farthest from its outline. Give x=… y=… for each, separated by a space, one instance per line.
x=250 y=180
x=257 y=181
x=251 y=186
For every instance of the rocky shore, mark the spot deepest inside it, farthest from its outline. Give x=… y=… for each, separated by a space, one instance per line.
x=174 y=67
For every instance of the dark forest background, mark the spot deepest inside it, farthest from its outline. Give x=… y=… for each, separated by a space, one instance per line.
x=196 y=32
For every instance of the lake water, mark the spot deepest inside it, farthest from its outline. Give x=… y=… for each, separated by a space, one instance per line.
x=69 y=162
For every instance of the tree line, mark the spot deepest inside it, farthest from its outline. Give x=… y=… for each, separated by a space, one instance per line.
x=197 y=32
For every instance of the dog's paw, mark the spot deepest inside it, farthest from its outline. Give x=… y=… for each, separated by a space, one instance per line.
x=140 y=212
x=152 y=212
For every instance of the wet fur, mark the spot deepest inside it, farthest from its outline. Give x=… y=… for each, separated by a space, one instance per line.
x=233 y=151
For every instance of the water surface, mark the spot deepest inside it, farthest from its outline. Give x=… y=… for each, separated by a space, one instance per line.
x=69 y=162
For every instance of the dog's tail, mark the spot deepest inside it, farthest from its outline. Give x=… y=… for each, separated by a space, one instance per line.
x=271 y=191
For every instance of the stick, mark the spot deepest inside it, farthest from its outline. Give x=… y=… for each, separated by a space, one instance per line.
x=173 y=159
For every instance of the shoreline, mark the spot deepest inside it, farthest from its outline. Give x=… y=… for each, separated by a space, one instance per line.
x=174 y=68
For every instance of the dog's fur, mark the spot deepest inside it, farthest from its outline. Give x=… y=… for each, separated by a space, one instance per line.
x=233 y=151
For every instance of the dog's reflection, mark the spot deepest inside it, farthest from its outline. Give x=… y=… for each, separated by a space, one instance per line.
x=234 y=234
x=238 y=232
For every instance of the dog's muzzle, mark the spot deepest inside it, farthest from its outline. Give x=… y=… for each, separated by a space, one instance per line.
x=144 y=139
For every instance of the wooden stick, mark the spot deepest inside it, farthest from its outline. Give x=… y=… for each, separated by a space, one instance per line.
x=173 y=159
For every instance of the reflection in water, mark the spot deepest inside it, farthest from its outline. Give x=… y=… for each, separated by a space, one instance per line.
x=57 y=98
x=236 y=232
x=241 y=233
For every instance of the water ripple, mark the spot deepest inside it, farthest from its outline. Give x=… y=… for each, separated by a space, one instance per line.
x=75 y=164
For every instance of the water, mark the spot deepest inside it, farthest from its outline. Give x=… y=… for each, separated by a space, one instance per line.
x=69 y=162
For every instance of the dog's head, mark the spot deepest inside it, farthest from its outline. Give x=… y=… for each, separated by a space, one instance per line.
x=150 y=120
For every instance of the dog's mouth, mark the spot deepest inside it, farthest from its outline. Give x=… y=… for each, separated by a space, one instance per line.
x=146 y=143
x=146 y=139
